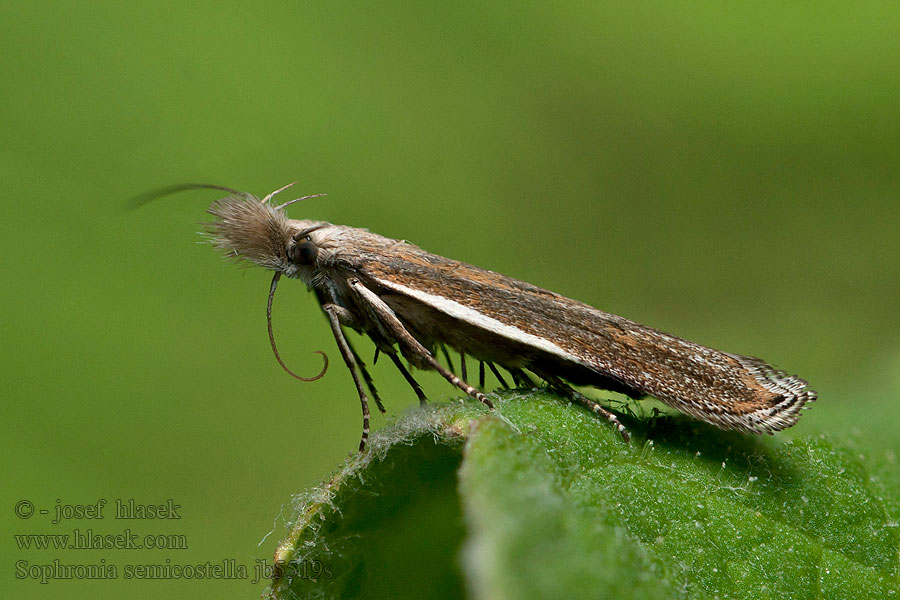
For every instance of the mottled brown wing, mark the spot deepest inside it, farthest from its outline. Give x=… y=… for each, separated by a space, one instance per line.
x=727 y=390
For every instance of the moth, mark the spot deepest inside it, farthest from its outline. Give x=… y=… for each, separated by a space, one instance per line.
x=410 y=303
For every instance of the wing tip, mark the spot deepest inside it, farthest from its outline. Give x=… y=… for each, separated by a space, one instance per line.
x=792 y=395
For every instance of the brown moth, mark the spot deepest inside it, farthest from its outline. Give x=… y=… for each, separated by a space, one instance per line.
x=410 y=302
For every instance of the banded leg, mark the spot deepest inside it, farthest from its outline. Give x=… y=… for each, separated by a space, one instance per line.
x=409 y=378
x=386 y=317
x=586 y=402
x=366 y=377
x=454 y=380
x=350 y=361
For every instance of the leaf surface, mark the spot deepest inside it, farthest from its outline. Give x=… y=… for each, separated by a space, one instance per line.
x=540 y=499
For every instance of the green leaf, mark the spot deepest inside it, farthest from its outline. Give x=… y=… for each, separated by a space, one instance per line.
x=540 y=499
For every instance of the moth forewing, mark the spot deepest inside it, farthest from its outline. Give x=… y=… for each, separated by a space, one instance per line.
x=411 y=301
x=514 y=323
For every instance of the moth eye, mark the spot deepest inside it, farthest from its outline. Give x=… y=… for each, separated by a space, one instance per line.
x=303 y=252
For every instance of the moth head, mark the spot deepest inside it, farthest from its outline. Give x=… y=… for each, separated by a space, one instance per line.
x=303 y=251
x=248 y=229
x=253 y=230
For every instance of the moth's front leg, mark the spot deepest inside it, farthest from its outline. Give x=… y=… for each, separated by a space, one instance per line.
x=386 y=318
x=333 y=311
x=346 y=318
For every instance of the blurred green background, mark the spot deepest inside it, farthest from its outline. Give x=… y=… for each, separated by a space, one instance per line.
x=728 y=174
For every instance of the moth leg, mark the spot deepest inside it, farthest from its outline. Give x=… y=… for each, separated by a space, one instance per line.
x=448 y=359
x=462 y=367
x=481 y=374
x=586 y=402
x=367 y=378
x=387 y=319
x=346 y=318
x=520 y=378
x=348 y=355
x=498 y=376
x=409 y=378
x=453 y=379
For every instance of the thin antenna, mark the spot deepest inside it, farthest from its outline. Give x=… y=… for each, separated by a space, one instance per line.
x=272 y=336
x=148 y=197
x=281 y=189
x=281 y=206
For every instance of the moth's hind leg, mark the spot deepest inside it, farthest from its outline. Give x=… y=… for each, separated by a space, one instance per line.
x=569 y=391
